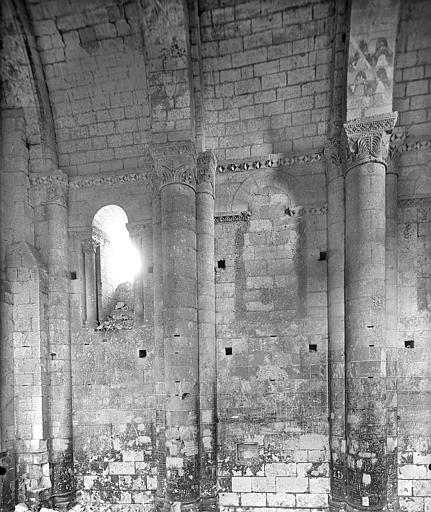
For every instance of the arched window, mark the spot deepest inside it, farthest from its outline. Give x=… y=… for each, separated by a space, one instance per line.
x=117 y=263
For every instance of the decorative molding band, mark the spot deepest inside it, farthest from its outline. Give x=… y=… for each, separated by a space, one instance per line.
x=418 y=145
x=304 y=211
x=276 y=161
x=43 y=180
x=291 y=211
x=285 y=161
x=97 y=180
x=379 y=123
x=415 y=202
x=227 y=217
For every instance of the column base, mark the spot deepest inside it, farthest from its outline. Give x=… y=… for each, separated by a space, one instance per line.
x=180 y=506
x=62 y=501
x=90 y=324
x=336 y=505
x=358 y=508
x=209 y=504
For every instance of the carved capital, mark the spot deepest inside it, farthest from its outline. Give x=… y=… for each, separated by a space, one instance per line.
x=90 y=245
x=368 y=139
x=175 y=163
x=99 y=236
x=334 y=151
x=396 y=144
x=206 y=167
x=138 y=230
x=54 y=186
x=334 y=154
x=56 y=193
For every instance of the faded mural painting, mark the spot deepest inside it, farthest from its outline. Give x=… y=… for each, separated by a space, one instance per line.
x=370 y=73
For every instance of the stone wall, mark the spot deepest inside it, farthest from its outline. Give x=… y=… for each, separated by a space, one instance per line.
x=266 y=69
x=263 y=84
x=271 y=343
x=414 y=356
x=95 y=72
x=412 y=93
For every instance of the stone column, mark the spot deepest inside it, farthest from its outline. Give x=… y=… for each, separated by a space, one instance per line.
x=366 y=407
x=176 y=168
x=60 y=444
x=336 y=360
x=89 y=247
x=135 y=232
x=159 y=352
x=396 y=143
x=206 y=326
x=147 y=269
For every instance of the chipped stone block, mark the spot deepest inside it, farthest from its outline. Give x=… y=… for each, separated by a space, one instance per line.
x=412 y=471
x=121 y=468
x=280 y=499
x=281 y=469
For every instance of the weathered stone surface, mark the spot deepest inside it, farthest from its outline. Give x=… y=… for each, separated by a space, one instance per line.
x=272 y=353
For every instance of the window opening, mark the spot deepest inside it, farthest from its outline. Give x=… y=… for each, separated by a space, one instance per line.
x=117 y=264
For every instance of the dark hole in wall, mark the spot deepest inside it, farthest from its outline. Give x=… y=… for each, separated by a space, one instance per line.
x=142 y=353
x=53 y=355
x=322 y=256
x=2 y=470
x=312 y=348
x=409 y=343
x=73 y=276
x=429 y=467
x=228 y=351
x=247 y=452
x=343 y=37
x=177 y=335
x=221 y=264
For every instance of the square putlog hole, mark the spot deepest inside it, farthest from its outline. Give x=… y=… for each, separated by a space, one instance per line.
x=312 y=348
x=221 y=264
x=247 y=452
x=142 y=353
x=409 y=343
x=228 y=351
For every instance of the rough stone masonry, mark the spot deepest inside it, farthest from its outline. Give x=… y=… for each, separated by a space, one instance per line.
x=268 y=162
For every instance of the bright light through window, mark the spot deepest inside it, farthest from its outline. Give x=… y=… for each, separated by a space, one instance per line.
x=120 y=259
x=125 y=262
